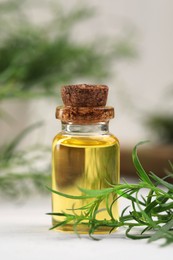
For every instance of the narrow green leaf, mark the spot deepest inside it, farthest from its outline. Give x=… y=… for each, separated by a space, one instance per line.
x=9 y=149
x=140 y=170
x=78 y=197
x=135 y=236
x=164 y=232
x=161 y=181
x=96 y=193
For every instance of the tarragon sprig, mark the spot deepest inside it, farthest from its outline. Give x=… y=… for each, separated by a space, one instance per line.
x=151 y=216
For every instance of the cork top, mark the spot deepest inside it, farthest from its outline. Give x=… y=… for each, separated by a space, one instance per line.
x=84 y=95
x=84 y=104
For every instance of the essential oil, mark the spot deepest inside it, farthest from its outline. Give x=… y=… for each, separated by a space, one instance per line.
x=84 y=154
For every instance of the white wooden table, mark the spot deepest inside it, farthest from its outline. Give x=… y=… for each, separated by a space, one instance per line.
x=24 y=235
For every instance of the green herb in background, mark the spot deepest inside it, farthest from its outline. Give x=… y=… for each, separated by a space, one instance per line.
x=162 y=126
x=35 y=57
x=23 y=171
x=26 y=50
x=160 y=121
x=152 y=214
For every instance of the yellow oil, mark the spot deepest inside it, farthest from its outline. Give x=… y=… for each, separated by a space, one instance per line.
x=87 y=162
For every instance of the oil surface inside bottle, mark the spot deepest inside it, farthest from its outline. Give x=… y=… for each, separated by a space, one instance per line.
x=86 y=162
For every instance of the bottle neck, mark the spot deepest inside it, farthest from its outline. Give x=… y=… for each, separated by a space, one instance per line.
x=89 y=129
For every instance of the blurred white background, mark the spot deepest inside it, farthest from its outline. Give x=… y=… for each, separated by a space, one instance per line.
x=137 y=87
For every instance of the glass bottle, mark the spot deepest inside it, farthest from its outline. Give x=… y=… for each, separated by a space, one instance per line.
x=84 y=153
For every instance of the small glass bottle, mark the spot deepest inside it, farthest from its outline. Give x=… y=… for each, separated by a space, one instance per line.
x=84 y=153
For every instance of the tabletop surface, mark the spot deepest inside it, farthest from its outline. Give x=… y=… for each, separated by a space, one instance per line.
x=24 y=234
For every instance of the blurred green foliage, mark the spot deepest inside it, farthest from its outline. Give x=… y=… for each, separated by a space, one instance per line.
x=23 y=171
x=36 y=57
x=160 y=122
x=162 y=127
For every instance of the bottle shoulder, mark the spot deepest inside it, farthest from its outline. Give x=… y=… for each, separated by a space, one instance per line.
x=85 y=140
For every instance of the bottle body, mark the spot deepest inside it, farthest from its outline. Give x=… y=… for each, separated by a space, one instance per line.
x=83 y=156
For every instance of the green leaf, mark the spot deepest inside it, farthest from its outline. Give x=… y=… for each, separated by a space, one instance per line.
x=140 y=170
x=8 y=150
x=161 y=181
x=164 y=232
x=78 y=197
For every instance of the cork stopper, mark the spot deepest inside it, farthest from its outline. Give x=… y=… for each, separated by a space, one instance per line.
x=84 y=104
x=84 y=95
